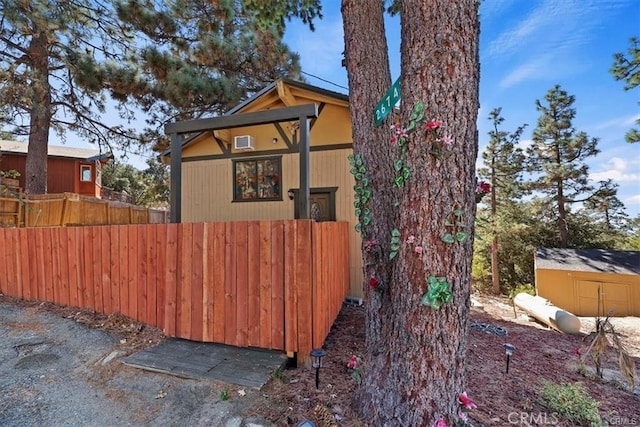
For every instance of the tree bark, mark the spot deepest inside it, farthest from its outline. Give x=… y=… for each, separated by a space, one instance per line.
x=414 y=357
x=367 y=62
x=36 y=164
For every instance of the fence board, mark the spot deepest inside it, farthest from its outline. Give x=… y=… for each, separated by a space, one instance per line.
x=270 y=284
x=229 y=284
x=114 y=250
x=25 y=263
x=96 y=270
x=132 y=272
x=161 y=272
x=197 y=260
x=9 y=264
x=170 y=277
x=242 y=288
x=208 y=263
x=87 y=252
x=219 y=282
x=63 y=264
x=277 y=283
x=253 y=282
x=265 y=285
x=183 y=321
x=303 y=283
x=141 y=272
x=105 y=271
x=290 y=294
x=151 y=257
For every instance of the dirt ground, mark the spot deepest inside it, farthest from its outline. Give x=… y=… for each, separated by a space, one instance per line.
x=290 y=396
x=541 y=354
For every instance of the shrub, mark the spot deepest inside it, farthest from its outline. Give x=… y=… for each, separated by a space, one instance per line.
x=571 y=402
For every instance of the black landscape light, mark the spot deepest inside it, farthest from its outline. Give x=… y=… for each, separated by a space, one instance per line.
x=508 y=349
x=317 y=354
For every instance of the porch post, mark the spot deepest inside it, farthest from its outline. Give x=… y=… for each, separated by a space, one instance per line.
x=176 y=177
x=304 y=194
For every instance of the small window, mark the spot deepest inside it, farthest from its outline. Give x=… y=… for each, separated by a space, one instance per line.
x=257 y=179
x=85 y=173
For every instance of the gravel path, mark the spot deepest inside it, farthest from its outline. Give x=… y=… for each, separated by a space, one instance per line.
x=55 y=371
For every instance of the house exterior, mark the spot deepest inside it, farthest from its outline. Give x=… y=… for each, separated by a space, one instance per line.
x=577 y=279
x=253 y=172
x=69 y=169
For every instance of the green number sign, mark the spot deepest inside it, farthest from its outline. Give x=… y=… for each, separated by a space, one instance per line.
x=387 y=103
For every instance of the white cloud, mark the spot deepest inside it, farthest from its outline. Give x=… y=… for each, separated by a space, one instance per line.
x=633 y=200
x=619 y=170
x=625 y=121
x=526 y=71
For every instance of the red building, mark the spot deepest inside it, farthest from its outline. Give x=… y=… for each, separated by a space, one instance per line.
x=69 y=169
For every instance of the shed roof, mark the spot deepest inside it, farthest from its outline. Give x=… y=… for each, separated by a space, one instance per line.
x=594 y=260
x=17 y=147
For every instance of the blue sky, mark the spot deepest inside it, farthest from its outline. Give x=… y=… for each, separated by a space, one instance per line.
x=526 y=47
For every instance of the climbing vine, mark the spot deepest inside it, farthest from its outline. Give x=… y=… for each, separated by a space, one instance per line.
x=363 y=193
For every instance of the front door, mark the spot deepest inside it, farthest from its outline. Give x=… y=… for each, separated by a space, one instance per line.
x=322 y=204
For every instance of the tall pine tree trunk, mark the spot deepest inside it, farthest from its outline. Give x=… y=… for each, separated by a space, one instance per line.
x=414 y=358
x=367 y=61
x=36 y=164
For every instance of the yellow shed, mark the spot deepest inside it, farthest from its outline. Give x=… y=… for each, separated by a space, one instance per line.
x=578 y=280
x=252 y=172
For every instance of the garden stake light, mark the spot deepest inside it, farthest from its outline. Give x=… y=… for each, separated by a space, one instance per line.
x=508 y=349
x=317 y=354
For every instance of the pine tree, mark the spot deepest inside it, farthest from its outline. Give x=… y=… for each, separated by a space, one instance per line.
x=63 y=62
x=418 y=180
x=607 y=207
x=503 y=167
x=627 y=68
x=558 y=155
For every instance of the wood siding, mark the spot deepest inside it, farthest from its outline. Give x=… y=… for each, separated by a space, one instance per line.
x=63 y=174
x=577 y=291
x=268 y=284
x=208 y=192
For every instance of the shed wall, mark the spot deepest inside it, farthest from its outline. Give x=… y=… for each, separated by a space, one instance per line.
x=577 y=291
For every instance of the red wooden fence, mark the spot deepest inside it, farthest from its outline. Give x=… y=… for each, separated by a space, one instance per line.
x=268 y=284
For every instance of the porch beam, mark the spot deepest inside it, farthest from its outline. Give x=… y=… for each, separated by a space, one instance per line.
x=242 y=119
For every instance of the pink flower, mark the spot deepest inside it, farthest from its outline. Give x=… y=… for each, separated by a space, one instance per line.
x=373 y=282
x=411 y=240
x=447 y=140
x=441 y=423
x=418 y=250
x=434 y=124
x=466 y=401
x=463 y=416
x=353 y=362
x=394 y=140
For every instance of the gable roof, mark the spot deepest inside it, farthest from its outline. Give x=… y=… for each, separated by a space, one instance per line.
x=289 y=82
x=17 y=147
x=274 y=86
x=593 y=260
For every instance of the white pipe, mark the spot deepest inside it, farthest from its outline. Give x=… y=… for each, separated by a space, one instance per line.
x=548 y=313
